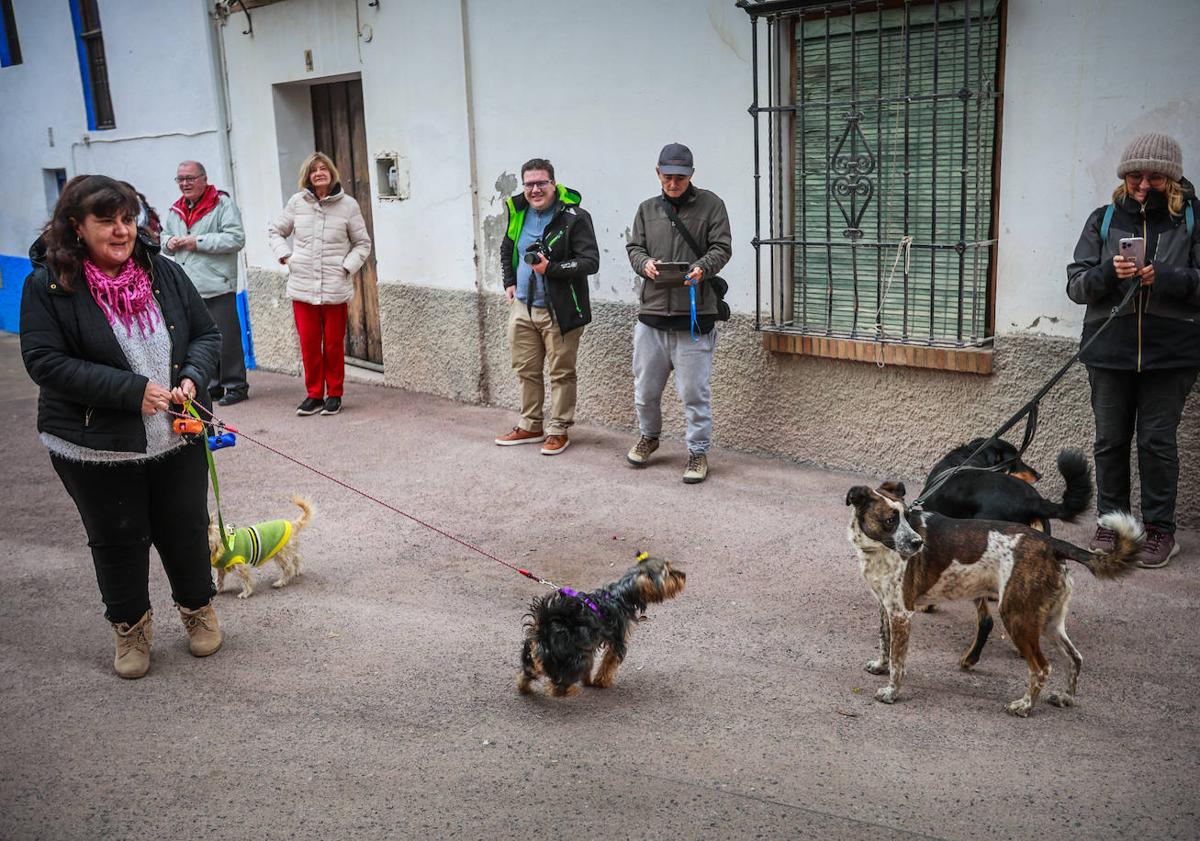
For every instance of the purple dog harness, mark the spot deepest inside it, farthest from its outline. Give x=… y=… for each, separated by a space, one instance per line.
x=567 y=591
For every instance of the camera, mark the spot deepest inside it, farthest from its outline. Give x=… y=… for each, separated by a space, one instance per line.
x=531 y=253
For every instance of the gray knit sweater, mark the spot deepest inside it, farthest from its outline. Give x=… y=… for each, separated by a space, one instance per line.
x=149 y=356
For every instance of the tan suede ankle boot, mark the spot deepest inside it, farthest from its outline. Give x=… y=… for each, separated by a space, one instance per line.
x=132 y=659
x=204 y=633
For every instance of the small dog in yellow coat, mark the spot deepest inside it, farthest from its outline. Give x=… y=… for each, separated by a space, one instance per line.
x=253 y=546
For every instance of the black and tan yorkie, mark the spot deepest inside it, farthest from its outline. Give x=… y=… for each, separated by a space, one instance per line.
x=564 y=630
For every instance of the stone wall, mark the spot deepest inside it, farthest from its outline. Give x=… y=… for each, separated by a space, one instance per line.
x=889 y=422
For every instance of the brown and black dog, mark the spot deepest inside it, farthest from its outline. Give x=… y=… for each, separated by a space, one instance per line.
x=910 y=559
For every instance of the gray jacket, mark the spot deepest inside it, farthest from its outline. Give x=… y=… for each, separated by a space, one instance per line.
x=213 y=266
x=653 y=237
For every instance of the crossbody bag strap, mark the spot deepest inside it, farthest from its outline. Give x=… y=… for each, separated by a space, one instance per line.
x=681 y=228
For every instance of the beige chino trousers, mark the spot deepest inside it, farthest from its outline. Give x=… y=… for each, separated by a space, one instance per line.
x=536 y=342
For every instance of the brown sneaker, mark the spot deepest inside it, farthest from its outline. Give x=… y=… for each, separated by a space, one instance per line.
x=640 y=454
x=132 y=658
x=1105 y=540
x=520 y=436
x=204 y=632
x=1160 y=548
x=697 y=469
x=555 y=444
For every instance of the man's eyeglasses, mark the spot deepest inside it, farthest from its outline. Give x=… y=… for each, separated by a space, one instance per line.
x=536 y=185
x=187 y=179
x=1157 y=179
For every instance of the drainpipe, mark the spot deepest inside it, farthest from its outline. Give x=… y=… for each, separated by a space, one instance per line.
x=220 y=71
x=216 y=49
x=482 y=386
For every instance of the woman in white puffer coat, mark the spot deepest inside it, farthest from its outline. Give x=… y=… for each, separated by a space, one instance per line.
x=329 y=245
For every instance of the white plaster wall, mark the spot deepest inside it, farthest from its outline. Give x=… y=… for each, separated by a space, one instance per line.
x=164 y=94
x=42 y=93
x=1074 y=96
x=599 y=95
x=1071 y=104
x=414 y=101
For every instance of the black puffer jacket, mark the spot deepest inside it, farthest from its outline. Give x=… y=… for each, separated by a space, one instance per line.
x=89 y=395
x=1160 y=328
x=571 y=251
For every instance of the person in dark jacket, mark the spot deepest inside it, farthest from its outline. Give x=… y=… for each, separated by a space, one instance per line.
x=669 y=335
x=1142 y=367
x=116 y=335
x=547 y=254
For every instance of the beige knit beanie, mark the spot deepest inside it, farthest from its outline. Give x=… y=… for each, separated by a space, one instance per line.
x=1152 y=153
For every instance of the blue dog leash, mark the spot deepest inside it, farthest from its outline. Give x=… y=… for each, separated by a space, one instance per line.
x=694 y=327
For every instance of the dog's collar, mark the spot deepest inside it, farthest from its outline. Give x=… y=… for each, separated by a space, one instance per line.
x=567 y=591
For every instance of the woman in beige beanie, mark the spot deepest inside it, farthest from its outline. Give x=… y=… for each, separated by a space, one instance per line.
x=1143 y=366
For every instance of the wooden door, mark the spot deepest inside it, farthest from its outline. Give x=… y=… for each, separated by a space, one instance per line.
x=339 y=130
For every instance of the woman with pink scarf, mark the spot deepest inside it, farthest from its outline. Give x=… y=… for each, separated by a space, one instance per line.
x=115 y=336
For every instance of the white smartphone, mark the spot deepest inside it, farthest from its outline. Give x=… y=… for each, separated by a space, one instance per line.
x=1134 y=248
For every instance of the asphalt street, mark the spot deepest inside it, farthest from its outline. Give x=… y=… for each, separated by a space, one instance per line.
x=375 y=698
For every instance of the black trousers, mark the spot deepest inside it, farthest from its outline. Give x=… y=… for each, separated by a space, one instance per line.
x=232 y=374
x=127 y=507
x=1152 y=403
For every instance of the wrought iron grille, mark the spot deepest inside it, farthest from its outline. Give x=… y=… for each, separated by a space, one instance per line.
x=881 y=125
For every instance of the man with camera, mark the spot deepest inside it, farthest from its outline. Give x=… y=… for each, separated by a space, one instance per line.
x=680 y=241
x=547 y=254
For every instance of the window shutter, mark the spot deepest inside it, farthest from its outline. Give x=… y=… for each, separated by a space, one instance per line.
x=896 y=123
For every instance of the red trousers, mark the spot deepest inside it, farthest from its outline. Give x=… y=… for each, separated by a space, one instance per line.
x=322 y=330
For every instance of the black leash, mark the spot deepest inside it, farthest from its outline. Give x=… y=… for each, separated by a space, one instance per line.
x=1030 y=409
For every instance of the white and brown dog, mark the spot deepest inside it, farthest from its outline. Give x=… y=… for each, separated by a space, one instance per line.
x=911 y=559
x=253 y=546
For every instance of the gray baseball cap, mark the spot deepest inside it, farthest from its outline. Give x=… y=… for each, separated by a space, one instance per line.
x=675 y=159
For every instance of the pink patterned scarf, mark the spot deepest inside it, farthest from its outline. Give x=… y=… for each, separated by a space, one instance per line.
x=128 y=297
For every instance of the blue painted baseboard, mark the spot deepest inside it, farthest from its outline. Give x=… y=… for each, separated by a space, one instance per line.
x=13 y=271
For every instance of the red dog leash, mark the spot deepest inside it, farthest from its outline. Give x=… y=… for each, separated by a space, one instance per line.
x=218 y=424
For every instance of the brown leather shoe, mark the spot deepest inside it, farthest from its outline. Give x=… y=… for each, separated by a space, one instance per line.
x=520 y=436
x=204 y=632
x=555 y=444
x=132 y=658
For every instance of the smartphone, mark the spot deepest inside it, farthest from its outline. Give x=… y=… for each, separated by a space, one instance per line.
x=1134 y=248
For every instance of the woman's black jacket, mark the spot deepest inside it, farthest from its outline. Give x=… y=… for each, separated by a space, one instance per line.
x=89 y=396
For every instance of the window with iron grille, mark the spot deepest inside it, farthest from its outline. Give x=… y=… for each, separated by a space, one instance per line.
x=10 y=45
x=89 y=42
x=882 y=132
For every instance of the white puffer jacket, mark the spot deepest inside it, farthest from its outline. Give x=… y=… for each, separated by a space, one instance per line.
x=330 y=244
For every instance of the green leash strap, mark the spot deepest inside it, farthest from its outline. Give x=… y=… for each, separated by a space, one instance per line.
x=226 y=540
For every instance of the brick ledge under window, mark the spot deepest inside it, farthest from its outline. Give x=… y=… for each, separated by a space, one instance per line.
x=966 y=360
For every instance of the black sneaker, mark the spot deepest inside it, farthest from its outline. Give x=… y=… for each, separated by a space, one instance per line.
x=232 y=397
x=216 y=392
x=333 y=405
x=310 y=406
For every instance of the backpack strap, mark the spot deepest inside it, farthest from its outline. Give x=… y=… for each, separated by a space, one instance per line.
x=1108 y=215
x=1189 y=217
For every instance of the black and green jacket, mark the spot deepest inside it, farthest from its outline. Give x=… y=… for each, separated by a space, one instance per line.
x=571 y=250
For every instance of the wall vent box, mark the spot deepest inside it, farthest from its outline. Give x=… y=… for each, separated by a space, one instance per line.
x=391 y=176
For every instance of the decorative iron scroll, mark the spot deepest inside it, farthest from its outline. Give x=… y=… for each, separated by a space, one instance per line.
x=852 y=187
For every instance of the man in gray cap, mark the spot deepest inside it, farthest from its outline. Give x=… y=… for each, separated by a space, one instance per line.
x=676 y=327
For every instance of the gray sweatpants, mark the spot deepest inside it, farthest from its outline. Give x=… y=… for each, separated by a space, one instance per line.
x=655 y=354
